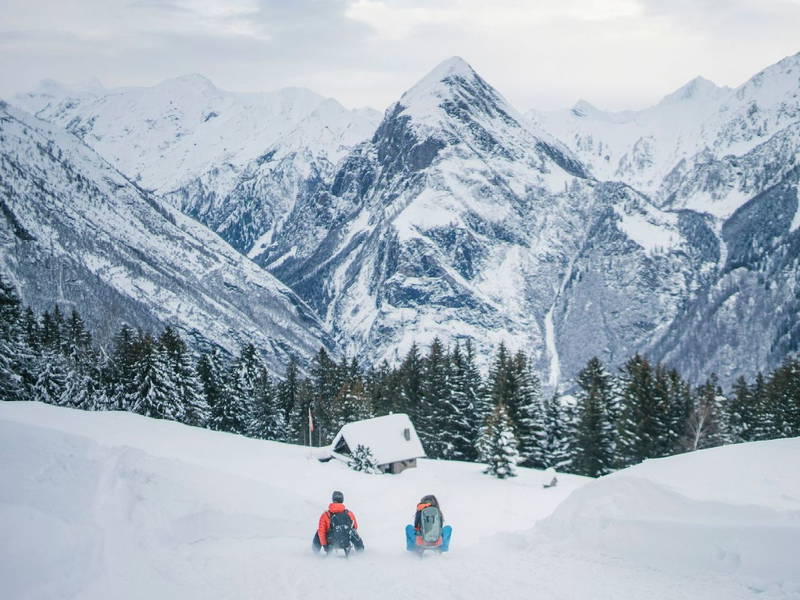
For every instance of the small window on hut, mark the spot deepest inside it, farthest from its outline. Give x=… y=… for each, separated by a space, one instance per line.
x=407 y=434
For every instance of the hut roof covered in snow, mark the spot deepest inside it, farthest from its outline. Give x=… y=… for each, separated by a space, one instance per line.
x=391 y=438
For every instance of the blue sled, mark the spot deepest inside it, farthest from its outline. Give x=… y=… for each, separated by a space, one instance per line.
x=411 y=540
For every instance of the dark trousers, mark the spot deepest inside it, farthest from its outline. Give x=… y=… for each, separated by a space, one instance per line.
x=355 y=539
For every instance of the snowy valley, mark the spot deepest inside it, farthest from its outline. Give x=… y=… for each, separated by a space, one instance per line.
x=99 y=505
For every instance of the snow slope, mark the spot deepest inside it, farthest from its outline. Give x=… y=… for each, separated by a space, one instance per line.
x=99 y=505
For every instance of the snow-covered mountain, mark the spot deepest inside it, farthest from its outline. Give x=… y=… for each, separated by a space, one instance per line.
x=730 y=154
x=77 y=232
x=653 y=148
x=458 y=219
x=671 y=231
x=235 y=162
x=109 y=504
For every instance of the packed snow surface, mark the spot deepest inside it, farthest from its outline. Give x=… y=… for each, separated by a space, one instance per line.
x=114 y=505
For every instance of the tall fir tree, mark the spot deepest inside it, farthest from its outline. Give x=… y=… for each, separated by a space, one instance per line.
x=783 y=398
x=16 y=356
x=269 y=419
x=196 y=410
x=498 y=444
x=742 y=413
x=212 y=372
x=525 y=408
x=51 y=374
x=463 y=427
x=641 y=419
x=153 y=391
x=327 y=379
x=234 y=412
x=411 y=383
x=593 y=451
x=432 y=418
x=554 y=449
x=288 y=389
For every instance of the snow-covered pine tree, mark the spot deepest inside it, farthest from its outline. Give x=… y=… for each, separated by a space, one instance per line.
x=477 y=391
x=187 y=381
x=51 y=377
x=76 y=340
x=498 y=445
x=783 y=398
x=765 y=418
x=288 y=390
x=299 y=417
x=556 y=428
x=461 y=426
x=16 y=357
x=527 y=408
x=742 y=413
x=51 y=329
x=234 y=411
x=269 y=420
x=679 y=409
x=128 y=348
x=327 y=379
x=83 y=383
x=640 y=423
x=381 y=384
x=79 y=387
x=593 y=450
x=433 y=418
x=153 y=391
x=363 y=461
x=411 y=384
x=211 y=371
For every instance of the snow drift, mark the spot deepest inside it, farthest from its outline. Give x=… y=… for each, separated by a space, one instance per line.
x=732 y=510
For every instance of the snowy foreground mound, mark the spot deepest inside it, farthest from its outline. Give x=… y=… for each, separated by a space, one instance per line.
x=114 y=505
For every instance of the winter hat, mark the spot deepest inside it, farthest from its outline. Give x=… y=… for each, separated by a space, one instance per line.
x=337 y=497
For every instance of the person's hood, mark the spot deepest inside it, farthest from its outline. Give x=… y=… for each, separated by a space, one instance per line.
x=336 y=507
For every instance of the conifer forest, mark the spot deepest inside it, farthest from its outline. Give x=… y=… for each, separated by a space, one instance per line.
x=505 y=419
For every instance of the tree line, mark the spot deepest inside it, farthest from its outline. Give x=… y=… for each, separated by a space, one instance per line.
x=504 y=419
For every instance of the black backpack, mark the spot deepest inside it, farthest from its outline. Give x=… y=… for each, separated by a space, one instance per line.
x=339 y=533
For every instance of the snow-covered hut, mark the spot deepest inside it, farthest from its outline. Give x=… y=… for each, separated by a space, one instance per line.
x=392 y=440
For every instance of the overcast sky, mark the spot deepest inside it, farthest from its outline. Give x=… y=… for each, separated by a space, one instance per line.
x=539 y=53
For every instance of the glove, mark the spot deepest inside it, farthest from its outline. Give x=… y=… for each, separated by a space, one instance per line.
x=328 y=548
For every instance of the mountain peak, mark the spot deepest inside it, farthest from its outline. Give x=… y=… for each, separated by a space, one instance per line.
x=439 y=80
x=582 y=108
x=452 y=81
x=453 y=66
x=697 y=88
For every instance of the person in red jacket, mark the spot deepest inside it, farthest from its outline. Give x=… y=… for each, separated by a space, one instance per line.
x=338 y=527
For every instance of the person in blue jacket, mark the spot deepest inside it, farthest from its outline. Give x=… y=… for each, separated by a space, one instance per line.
x=428 y=531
